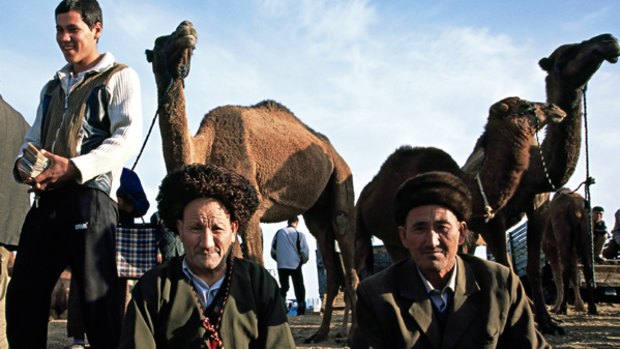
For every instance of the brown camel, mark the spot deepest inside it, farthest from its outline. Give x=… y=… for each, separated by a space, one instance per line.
x=565 y=239
x=568 y=68
x=511 y=127
x=294 y=169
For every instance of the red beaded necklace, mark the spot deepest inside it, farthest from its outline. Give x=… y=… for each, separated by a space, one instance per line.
x=211 y=330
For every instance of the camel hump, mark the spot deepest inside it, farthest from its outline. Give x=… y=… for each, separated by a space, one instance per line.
x=271 y=105
x=423 y=158
x=409 y=161
x=268 y=106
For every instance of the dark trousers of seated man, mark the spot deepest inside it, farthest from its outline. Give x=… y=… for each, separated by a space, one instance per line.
x=298 y=286
x=72 y=226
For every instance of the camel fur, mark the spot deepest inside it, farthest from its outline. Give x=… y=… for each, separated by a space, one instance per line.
x=294 y=169
x=566 y=239
x=569 y=68
x=504 y=149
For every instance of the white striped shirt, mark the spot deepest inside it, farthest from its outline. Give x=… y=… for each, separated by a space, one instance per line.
x=125 y=113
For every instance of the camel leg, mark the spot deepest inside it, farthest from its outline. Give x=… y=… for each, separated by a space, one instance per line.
x=495 y=238
x=585 y=253
x=589 y=277
x=318 y=226
x=567 y=280
x=558 y=280
x=343 y=225
x=565 y=244
x=363 y=256
x=344 y=329
x=345 y=318
x=535 y=228
x=253 y=240
x=574 y=284
x=552 y=257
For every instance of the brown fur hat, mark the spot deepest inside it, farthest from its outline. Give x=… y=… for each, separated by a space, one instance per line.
x=195 y=181
x=433 y=188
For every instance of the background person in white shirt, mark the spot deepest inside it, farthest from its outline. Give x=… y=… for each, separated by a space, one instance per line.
x=290 y=250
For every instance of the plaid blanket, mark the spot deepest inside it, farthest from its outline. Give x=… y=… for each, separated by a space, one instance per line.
x=136 y=250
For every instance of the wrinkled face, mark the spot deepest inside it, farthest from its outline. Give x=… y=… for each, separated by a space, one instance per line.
x=77 y=42
x=432 y=234
x=207 y=235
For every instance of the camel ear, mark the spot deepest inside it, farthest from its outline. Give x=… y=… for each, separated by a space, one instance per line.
x=499 y=108
x=545 y=64
x=149 y=55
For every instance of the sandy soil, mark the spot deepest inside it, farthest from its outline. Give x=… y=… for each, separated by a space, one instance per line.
x=582 y=331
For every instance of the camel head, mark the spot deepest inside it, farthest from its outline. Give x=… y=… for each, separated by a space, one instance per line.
x=523 y=115
x=501 y=154
x=512 y=122
x=171 y=55
x=574 y=64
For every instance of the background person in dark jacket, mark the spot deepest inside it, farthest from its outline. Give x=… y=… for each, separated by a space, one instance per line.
x=599 y=232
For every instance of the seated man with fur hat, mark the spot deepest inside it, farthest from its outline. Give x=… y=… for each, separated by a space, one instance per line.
x=436 y=298
x=206 y=298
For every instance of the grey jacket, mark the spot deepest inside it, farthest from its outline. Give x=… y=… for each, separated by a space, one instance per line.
x=489 y=309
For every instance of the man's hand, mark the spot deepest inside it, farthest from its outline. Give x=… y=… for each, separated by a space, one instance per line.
x=60 y=171
x=24 y=177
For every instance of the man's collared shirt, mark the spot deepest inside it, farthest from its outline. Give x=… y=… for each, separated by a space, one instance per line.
x=440 y=298
x=205 y=293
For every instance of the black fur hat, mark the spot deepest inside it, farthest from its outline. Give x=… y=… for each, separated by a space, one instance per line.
x=433 y=188
x=195 y=181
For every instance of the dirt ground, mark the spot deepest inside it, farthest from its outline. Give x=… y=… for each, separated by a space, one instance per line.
x=582 y=331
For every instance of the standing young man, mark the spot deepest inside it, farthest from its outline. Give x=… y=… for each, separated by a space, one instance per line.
x=88 y=125
x=290 y=250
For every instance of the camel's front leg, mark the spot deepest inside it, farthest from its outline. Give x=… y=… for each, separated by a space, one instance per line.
x=253 y=240
x=319 y=226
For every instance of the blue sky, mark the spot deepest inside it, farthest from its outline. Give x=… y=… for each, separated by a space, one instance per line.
x=371 y=75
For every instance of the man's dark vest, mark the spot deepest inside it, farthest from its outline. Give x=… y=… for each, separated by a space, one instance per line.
x=81 y=118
